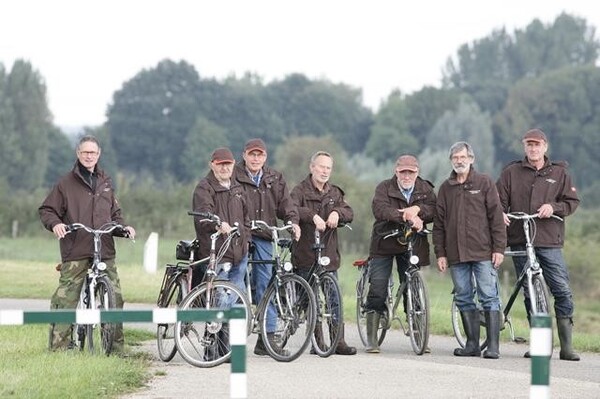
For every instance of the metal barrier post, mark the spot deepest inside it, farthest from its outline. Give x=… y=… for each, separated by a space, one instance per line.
x=541 y=352
x=235 y=315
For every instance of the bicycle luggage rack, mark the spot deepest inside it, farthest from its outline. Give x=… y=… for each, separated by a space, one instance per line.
x=237 y=315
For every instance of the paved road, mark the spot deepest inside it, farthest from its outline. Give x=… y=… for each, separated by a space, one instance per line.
x=396 y=372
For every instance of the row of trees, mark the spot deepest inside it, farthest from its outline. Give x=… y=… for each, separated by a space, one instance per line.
x=164 y=122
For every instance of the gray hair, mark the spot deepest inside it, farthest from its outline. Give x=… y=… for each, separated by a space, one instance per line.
x=88 y=138
x=459 y=146
x=317 y=154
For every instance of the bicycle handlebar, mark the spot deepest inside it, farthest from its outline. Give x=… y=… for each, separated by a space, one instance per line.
x=206 y=217
x=260 y=224
x=116 y=228
x=526 y=216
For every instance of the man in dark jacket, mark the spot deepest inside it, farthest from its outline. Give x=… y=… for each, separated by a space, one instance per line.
x=537 y=185
x=405 y=198
x=84 y=195
x=322 y=207
x=469 y=236
x=268 y=200
x=221 y=195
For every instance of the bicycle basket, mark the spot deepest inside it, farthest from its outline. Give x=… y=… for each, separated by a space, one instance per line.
x=186 y=250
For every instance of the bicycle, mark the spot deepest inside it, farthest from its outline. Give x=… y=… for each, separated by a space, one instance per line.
x=206 y=343
x=289 y=298
x=531 y=278
x=97 y=293
x=413 y=287
x=176 y=284
x=328 y=299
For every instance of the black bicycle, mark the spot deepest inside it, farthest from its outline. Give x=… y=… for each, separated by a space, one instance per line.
x=531 y=281
x=413 y=288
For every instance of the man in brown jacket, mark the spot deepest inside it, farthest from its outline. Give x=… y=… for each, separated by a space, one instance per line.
x=405 y=198
x=321 y=206
x=85 y=195
x=268 y=200
x=537 y=185
x=469 y=236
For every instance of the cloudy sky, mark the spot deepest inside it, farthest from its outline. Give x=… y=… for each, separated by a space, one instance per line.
x=86 y=49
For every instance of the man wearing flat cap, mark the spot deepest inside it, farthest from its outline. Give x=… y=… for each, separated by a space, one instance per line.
x=536 y=184
x=268 y=200
x=404 y=198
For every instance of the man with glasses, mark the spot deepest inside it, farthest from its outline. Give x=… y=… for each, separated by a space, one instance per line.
x=404 y=198
x=268 y=200
x=84 y=195
x=469 y=237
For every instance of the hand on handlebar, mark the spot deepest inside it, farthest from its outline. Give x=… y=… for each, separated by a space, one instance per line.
x=224 y=228
x=60 y=230
x=333 y=220
x=319 y=223
x=545 y=211
x=296 y=232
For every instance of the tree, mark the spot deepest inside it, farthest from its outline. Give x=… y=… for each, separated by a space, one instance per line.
x=61 y=156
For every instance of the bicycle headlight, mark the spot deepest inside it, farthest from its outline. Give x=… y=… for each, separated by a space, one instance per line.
x=325 y=260
x=287 y=266
x=414 y=259
x=101 y=266
x=226 y=267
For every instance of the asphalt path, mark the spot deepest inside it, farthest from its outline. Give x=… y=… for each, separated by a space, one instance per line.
x=395 y=372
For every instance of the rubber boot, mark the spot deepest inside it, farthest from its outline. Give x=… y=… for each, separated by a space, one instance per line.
x=259 y=348
x=492 y=325
x=342 y=347
x=372 y=327
x=470 y=320
x=318 y=338
x=565 y=332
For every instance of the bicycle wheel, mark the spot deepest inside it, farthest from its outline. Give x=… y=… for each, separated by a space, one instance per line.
x=294 y=303
x=206 y=343
x=100 y=337
x=540 y=303
x=362 y=290
x=165 y=332
x=418 y=313
x=329 y=316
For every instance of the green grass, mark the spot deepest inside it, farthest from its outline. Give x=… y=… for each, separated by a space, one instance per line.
x=28 y=370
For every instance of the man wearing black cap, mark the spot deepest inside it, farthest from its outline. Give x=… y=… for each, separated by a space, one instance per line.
x=268 y=200
x=537 y=185
x=406 y=197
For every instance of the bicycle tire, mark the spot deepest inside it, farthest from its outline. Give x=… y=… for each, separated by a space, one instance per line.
x=540 y=303
x=418 y=313
x=294 y=302
x=100 y=337
x=328 y=299
x=362 y=290
x=165 y=332
x=459 y=332
x=206 y=343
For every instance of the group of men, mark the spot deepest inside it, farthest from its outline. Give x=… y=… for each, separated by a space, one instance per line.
x=470 y=228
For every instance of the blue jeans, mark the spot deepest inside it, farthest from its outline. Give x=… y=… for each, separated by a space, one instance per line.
x=237 y=273
x=380 y=270
x=261 y=275
x=486 y=279
x=556 y=275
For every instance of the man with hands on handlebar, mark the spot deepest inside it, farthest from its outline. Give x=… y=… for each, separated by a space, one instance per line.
x=84 y=195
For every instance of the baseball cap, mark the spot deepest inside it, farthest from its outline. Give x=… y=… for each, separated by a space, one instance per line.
x=407 y=162
x=255 y=145
x=222 y=155
x=535 y=135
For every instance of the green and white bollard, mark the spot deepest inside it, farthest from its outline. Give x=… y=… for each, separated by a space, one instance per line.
x=541 y=352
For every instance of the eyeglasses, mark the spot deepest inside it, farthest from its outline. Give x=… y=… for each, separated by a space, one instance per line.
x=89 y=153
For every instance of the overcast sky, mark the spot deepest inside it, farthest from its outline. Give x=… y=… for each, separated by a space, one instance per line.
x=86 y=49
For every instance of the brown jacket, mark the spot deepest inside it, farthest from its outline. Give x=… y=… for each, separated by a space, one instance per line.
x=311 y=202
x=73 y=200
x=522 y=188
x=230 y=205
x=468 y=225
x=268 y=201
x=387 y=200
